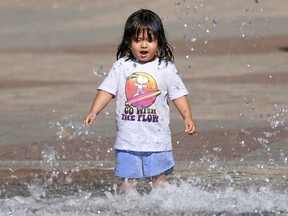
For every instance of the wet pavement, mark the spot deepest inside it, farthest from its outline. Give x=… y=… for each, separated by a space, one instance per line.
x=233 y=62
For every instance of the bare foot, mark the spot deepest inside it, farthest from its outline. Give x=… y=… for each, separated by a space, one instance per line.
x=128 y=183
x=159 y=181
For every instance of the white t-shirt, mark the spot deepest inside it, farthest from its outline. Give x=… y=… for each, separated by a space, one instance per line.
x=142 y=92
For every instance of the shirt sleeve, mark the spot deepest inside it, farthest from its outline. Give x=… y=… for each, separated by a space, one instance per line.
x=110 y=83
x=176 y=87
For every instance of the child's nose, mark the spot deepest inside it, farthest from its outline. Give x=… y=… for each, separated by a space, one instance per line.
x=144 y=43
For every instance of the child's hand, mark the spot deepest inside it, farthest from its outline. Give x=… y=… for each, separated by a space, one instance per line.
x=190 y=126
x=182 y=104
x=89 y=119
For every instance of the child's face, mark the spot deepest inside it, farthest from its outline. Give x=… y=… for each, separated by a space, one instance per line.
x=144 y=48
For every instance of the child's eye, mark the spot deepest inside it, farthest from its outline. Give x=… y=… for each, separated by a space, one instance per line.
x=137 y=40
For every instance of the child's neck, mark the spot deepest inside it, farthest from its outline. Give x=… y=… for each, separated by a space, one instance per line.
x=145 y=62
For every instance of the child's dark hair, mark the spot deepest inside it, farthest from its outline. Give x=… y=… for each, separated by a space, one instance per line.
x=141 y=21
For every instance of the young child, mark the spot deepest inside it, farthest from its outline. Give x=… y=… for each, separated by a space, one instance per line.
x=143 y=80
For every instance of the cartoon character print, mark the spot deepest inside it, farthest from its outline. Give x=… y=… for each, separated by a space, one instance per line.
x=141 y=80
x=141 y=90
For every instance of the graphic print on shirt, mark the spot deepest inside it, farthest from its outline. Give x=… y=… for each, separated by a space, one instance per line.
x=141 y=92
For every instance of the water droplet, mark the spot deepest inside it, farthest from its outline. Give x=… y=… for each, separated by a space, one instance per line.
x=193 y=40
x=227 y=177
x=49 y=157
x=283 y=157
x=63 y=133
x=99 y=72
x=268 y=134
x=278 y=116
x=263 y=141
x=242 y=143
x=68 y=180
x=107 y=115
x=215 y=22
x=217 y=149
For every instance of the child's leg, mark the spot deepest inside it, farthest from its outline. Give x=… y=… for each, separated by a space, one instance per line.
x=159 y=181
x=129 y=167
x=132 y=183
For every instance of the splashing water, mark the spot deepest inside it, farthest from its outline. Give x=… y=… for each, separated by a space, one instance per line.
x=70 y=128
x=192 y=196
x=184 y=199
x=49 y=161
x=278 y=116
x=99 y=72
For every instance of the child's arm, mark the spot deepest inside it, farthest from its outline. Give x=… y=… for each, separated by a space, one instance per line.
x=183 y=106
x=101 y=100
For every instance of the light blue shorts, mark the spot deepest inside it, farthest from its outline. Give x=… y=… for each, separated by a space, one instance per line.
x=130 y=164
